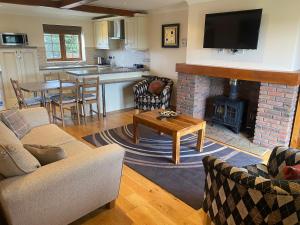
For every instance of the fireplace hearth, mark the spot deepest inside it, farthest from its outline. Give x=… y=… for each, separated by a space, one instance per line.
x=229 y=110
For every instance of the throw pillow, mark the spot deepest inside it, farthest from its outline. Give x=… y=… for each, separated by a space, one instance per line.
x=14 y=120
x=292 y=172
x=156 y=87
x=7 y=137
x=46 y=154
x=16 y=161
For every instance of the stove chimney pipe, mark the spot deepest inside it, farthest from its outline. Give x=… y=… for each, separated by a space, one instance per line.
x=233 y=94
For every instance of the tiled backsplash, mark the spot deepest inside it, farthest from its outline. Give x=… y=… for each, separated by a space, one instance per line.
x=123 y=57
x=126 y=58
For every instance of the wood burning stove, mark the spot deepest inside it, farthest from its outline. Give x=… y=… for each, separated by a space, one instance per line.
x=229 y=111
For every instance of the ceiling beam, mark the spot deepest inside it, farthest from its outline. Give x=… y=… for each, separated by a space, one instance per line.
x=104 y=10
x=68 y=4
x=46 y=3
x=80 y=7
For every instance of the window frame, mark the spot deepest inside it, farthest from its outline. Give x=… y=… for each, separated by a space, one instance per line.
x=63 y=51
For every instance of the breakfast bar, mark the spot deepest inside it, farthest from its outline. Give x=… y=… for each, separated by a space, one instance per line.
x=112 y=83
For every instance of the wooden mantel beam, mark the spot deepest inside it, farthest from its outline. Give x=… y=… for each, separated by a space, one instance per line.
x=73 y=5
x=268 y=76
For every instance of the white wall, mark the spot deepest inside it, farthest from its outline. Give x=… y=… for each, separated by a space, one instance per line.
x=163 y=60
x=33 y=26
x=279 y=41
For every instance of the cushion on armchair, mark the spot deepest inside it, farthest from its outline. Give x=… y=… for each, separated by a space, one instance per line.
x=280 y=158
x=156 y=87
x=292 y=172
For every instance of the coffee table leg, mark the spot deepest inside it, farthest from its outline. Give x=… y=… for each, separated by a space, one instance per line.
x=201 y=139
x=135 y=132
x=176 y=148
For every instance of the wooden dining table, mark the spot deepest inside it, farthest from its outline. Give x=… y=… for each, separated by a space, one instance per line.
x=42 y=87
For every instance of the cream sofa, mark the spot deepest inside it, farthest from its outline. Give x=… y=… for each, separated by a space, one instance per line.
x=61 y=192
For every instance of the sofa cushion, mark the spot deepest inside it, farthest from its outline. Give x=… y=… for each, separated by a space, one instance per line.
x=7 y=137
x=35 y=117
x=46 y=154
x=75 y=147
x=15 y=121
x=47 y=135
x=16 y=161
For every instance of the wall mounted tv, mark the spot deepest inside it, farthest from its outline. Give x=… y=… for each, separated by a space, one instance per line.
x=232 y=30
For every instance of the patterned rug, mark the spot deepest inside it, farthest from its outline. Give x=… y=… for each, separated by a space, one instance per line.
x=152 y=158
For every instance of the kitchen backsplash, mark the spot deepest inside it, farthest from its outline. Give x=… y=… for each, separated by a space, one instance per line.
x=122 y=57
x=126 y=58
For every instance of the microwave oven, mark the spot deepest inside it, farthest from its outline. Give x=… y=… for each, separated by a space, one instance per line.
x=13 y=39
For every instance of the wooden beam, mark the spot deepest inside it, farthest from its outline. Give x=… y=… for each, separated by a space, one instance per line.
x=275 y=77
x=69 y=4
x=45 y=3
x=104 y=10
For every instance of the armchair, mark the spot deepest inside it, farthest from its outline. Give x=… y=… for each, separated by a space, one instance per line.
x=147 y=101
x=255 y=194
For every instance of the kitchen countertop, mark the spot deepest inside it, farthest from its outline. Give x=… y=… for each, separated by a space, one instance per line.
x=64 y=67
x=89 y=72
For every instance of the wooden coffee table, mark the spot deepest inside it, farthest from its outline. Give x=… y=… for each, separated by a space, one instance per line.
x=177 y=127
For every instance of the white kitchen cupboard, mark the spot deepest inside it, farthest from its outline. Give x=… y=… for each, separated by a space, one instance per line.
x=18 y=64
x=101 y=35
x=136 y=36
x=102 y=39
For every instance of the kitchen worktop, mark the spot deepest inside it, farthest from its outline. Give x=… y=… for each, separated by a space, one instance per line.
x=66 y=67
x=104 y=70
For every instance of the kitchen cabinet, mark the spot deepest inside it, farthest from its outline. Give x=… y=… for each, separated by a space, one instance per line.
x=136 y=36
x=102 y=38
x=18 y=64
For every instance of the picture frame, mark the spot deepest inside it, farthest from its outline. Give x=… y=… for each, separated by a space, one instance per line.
x=170 y=35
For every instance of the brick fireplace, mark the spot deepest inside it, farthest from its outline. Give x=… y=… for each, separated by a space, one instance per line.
x=275 y=104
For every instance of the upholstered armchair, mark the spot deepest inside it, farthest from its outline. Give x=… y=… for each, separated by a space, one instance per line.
x=255 y=194
x=144 y=100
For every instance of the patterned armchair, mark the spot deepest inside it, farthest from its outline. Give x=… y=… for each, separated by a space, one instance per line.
x=256 y=194
x=147 y=101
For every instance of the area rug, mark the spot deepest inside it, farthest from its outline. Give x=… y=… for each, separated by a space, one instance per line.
x=152 y=158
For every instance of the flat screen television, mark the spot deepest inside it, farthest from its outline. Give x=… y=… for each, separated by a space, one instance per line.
x=232 y=30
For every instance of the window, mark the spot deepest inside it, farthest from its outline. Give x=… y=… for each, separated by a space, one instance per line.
x=62 y=43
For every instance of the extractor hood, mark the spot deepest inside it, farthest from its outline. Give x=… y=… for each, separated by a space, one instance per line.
x=116 y=29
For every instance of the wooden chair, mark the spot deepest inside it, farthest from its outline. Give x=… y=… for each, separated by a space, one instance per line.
x=51 y=76
x=68 y=98
x=90 y=95
x=22 y=102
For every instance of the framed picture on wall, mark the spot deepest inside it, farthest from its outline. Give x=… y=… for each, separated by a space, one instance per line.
x=170 y=35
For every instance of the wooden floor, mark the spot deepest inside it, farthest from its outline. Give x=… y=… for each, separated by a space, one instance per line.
x=140 y=202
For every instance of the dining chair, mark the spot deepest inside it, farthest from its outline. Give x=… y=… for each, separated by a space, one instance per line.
x=90 y=95
x=22 y=101
x=68 y=99
x=51 y=76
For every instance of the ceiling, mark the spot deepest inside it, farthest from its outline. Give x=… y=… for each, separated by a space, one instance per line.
x=138 y=5
x=132 y=5
x=43 y=11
